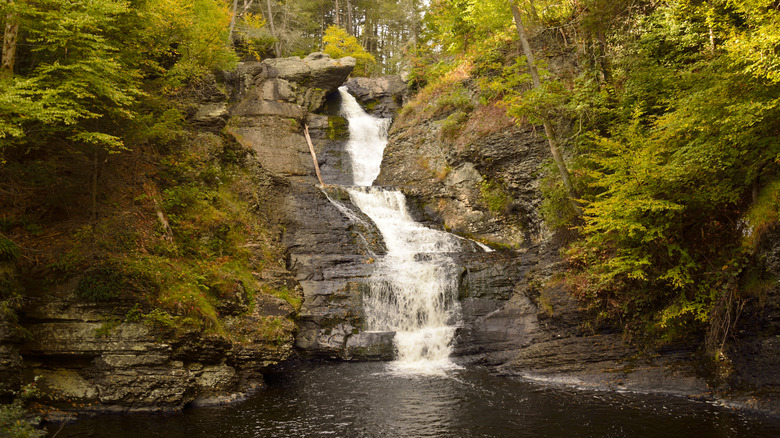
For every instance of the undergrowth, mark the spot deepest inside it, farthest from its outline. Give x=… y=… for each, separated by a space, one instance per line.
x=179 y=230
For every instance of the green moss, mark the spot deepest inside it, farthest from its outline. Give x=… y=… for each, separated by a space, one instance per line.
x=371 y=105
x=107 y=327
x=337 y=128
x=276 y=329
x=291 y=297
x=9 y=251
x=108 y=281
x=453 y=124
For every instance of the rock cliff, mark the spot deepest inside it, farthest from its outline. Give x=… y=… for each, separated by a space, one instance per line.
x=116 y=356
x=471 y=170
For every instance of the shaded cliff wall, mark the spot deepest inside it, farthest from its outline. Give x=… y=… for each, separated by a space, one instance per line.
x=118 y=353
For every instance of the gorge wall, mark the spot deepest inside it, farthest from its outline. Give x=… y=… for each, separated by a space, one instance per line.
x=479 y=177
x=119 y=355
x=469 y=169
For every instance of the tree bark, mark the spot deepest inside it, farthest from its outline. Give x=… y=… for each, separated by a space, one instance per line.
x=233 y=22
x=273 y=29
x=9 y=43
x=548 y=128
x=313 y=154
x=337 y=13
x=349 y=18
x=94 y=187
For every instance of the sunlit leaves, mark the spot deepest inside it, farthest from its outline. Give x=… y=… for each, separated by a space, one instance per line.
x=78 y=74
x=338 y=44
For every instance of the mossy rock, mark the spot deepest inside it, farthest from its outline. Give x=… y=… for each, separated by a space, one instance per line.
x=338 y=129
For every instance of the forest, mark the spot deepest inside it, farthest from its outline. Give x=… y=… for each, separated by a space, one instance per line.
x=663 y=120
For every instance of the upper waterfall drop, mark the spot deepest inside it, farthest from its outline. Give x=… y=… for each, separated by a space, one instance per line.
x=367 y=139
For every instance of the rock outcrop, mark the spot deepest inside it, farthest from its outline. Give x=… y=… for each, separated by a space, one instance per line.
x=382 y=97
x=275 y=98
x=114 y=357
x=328 y=252
x=484 y=185
x=93 y=356
x=468 y=168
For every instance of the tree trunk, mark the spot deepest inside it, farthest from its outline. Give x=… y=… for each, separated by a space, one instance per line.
x=94 y=187
x=313 y=154
x=710 y=22
x=349 y=18
x=273 y=29
x=337 y=13
x=9 y=43
x=233 y=22
x=548 y=128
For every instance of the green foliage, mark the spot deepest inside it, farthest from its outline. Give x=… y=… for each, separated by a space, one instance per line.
x=676 y=116
x=15 y=422
x=108 y=326
x=102 y=284
x=289 y=296
x=691 y=134
x=453 y=124
x=9 y=251
x=78 y=78
x=494 y=196
x=556 y=210
x=108 y=281
x=762 y=216
x=275 y=329
x=338 y=44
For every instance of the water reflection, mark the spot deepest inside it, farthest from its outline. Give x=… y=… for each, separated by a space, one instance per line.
x=365 y=400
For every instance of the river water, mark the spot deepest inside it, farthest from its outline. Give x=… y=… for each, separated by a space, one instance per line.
x=423 y=393
x=371 y=400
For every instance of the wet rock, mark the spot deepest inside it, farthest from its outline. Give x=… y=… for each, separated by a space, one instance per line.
x=370 y=346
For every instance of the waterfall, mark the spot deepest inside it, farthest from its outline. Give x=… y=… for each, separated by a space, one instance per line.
x=413 y=289
x=367 y=140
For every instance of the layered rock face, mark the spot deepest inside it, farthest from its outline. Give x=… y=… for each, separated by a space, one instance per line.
x=382 y=96
x=480 y=176
x=97 y=356
x=488 y=189
x=328 y=252
x=88 y=356
x=276 y=98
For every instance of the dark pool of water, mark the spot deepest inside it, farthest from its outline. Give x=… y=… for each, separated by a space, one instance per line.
x=363 y=400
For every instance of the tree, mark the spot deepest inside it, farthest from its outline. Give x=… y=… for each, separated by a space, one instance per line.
x=338 y=44
x=79 y=84
x=548 y=128
x=9 y=41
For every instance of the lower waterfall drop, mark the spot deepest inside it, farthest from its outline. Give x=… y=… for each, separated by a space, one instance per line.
x=414 y=286
x=413 y=289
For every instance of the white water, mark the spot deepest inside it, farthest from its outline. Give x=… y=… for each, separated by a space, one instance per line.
x=414 y=286
x=367 y=139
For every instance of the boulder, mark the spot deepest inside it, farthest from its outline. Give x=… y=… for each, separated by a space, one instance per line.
x=317 y=70
x=382 y=96
x=277 y=97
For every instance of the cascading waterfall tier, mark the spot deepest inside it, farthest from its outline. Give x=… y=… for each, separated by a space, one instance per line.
x=367 y=140
x=414 y=286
